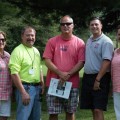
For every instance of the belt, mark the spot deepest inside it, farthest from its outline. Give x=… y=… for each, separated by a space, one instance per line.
x=32 y=84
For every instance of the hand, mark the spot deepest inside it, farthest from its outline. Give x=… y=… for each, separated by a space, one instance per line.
x=96 y=85
x=25 y=98
x=64 y=76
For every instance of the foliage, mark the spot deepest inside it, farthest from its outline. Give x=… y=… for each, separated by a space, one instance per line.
x=44 y=16
x=79 y=9
x=12 y=24
x=8 y=9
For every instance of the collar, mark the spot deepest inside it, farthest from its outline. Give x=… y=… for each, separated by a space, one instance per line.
x=96 y=38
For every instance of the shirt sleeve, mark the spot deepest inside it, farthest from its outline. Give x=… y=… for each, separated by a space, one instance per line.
x=49 y=50
x=81 y=55
x=15 y=62
x=107 y=51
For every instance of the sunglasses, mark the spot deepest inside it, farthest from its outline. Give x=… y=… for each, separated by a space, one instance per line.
x=2 y=39
x=67 y=24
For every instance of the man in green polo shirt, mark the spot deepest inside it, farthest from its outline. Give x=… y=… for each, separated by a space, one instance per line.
x=25 y=71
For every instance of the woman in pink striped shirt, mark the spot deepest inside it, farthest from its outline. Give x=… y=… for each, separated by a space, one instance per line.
x=115 y=67
x=5 y=81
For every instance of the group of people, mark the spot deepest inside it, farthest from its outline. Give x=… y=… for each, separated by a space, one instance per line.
x=64 y=55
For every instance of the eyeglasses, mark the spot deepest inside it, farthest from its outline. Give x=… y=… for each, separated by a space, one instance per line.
x=67 y=24
x=2 y=39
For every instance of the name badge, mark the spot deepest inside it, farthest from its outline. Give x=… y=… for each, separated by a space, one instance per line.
x=31 y=71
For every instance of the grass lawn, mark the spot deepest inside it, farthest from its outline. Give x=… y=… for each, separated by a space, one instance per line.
x=80 y=114
x=86 y=114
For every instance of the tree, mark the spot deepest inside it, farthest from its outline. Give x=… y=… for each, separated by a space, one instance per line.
x=80 y=10
x=44 y=15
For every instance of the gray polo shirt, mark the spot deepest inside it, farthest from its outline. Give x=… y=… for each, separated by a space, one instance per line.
x=96 y=51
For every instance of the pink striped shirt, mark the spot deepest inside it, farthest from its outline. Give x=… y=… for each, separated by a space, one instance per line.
x=115 y=71
x=65 y=54
x=5 y=81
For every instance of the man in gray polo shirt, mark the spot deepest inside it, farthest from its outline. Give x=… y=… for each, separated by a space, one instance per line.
x=96 y=79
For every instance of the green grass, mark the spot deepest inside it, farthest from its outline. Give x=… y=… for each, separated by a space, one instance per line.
x=80 y=114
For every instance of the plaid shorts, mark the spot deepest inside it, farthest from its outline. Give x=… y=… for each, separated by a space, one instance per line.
x=56 y=104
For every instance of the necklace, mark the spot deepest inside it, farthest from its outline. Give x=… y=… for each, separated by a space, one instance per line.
x=31 y=56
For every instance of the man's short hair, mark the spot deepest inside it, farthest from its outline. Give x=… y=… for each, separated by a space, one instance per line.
x=95 y=18
x=66 y=16
x=27 y=27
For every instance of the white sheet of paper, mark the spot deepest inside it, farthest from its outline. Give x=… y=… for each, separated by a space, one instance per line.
x=62 y=92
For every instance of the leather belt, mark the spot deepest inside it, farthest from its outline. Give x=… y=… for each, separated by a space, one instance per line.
x=32 y=84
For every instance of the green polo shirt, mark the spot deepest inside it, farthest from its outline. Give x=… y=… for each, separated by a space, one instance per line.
x=25 y=61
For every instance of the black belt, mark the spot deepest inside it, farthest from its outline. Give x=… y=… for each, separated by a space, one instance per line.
x=32 y=84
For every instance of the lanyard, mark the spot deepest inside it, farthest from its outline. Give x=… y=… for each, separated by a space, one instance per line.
x=30 y=56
